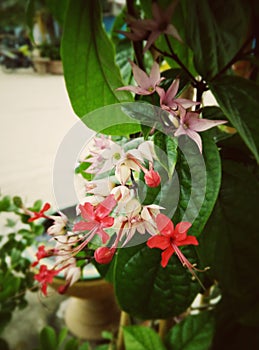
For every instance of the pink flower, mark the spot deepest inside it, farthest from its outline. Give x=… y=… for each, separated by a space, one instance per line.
x=104 y=255
x=40 y=214
x=160 y=24
x=96 y=218
x=152 y=178
x=151 y=29
x=191 y=124
x=170 y=239
x=168 y=101
x=146 y=84
x=45 y=277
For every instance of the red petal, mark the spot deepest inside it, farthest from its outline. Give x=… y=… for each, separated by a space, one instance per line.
x=83 y=226
x=166 y=255
x=181 y=230
x=46 y=207
x=105 y=207
x=104 y=235
x=107 y=222
x=158 y=241
x=188 y=240
x=164 y=225
x=87 y=211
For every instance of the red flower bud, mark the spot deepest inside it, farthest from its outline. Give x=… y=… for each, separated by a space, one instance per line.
x=152 y=178
x=104 y=255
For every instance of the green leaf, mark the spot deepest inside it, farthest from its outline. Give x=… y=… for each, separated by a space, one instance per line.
x=193 y=333
x=166 y=151
x=88 y=57
x=215 y=31
x=5 y=204
x=199 y=178
x=58 y=9
x=141 y=338
x=112 y=120
x=153 y=291
x=62 y=335
x=238 y=99
x=224 y=247
x=30 y=14
x=84 y=346
x=72 y=344
x=48 y=338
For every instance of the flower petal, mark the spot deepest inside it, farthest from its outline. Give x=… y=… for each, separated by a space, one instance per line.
x=188 y=240
x=87 y=211
x=164 y=225
x=195 y=137
x=199 y=124
x=155 y=73
x=158 y=241
x=166 y=255
x=181 y=230
x=84 y=226
x=105 y=207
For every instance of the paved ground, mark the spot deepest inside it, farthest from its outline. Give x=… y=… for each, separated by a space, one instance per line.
x=35 y=115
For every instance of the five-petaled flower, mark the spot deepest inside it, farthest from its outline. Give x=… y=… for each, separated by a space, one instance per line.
x=40 y=214
x=45 y=277
x=191 y=124
x=170 y=238
x=96 y=218
x=146 y=84
x=168 y=101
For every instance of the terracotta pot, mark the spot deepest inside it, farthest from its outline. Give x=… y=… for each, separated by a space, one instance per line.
x=55 y=67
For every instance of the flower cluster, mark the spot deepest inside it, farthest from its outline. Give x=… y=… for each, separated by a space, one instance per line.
x=184 y=121
x=111 y=215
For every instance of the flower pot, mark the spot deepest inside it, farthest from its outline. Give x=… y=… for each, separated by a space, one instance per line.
x=41 y=64
x=55 y=67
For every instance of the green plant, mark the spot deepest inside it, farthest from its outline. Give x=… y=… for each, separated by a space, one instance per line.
x=16 y=275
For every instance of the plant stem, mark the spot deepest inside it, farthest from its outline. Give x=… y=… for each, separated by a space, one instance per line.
x=177 y=60
x=164 y=326
x=124 y=321
x=237 y=57
x=137 y=45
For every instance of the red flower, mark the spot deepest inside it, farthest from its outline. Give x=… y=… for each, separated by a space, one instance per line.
x=104 y=255
x=96 y=218
x=170 y=239
x=42 y=253
x=152 y=178
x=40 y=214
x=45 y=277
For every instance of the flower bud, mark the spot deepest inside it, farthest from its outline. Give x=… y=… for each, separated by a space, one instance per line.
x=104 y=255
x=152 y=178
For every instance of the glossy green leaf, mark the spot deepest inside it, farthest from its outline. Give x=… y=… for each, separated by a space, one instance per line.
x=153 y=291
x=166 y=151
x=199 y=177
x=193 y=333
x=141 y=338
x=230 y=239
x=88 y=57
x=57 y=9
x=238 y=99
x=112 y=120
x=215 y=31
